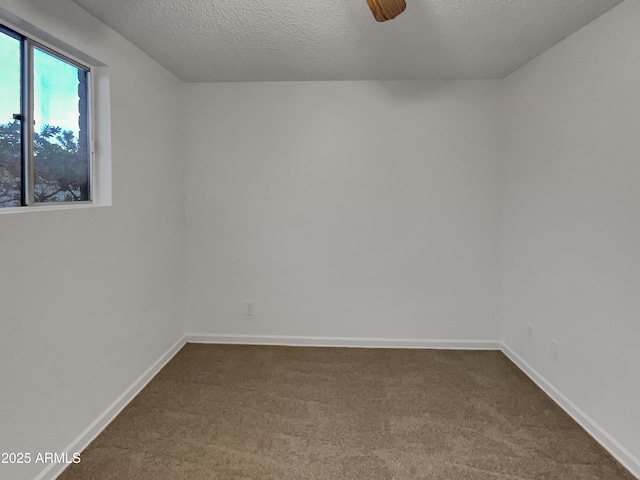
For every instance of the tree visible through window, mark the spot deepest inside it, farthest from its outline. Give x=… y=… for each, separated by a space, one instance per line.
x=44 y=125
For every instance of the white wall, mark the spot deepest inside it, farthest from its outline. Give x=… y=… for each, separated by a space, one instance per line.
x=91 y=298
x=572 y=219
x=344 y=209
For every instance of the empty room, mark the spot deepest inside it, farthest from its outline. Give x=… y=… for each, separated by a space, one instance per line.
x=357 y=239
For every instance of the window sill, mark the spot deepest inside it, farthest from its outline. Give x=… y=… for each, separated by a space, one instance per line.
x=45 y=208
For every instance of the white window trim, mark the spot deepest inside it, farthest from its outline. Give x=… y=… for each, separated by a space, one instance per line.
x=99 y=114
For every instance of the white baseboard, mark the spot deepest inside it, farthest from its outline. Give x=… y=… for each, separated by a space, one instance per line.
x=352 y=342
x=626 y=458
x=83 y=440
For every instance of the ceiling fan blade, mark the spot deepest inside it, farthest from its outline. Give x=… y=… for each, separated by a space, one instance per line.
x=384 y=10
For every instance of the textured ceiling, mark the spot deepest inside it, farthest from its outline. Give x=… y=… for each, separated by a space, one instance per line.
x=255 y=40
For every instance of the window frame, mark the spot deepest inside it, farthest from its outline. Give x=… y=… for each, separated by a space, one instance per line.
x=28 y=45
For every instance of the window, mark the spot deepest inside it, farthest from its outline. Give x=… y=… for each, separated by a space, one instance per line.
x=44 y=125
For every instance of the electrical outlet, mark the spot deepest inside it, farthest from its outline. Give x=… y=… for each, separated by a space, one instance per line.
x=554 y=349
x=530 y=332
x=249 y=308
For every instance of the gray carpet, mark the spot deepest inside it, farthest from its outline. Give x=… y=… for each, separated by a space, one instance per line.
x=254 y=412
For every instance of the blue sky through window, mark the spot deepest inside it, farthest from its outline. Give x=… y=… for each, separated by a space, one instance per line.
x=55 y=87
x=55 y=92
x=9 y=77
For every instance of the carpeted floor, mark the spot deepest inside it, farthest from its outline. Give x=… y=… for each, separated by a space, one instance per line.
x=281 y=413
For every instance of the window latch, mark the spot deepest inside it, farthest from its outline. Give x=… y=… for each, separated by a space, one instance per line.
x=17 y=116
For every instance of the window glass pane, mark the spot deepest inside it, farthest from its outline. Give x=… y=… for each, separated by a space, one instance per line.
x=61 y=159
x=10 y=129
